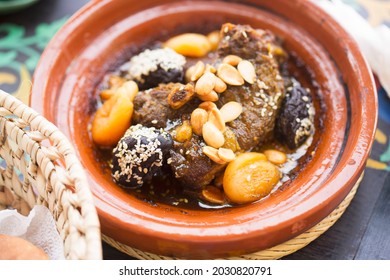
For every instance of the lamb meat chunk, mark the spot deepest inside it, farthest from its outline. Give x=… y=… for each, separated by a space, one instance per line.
x=191 y=166
x=151 y=107
x=261 y=102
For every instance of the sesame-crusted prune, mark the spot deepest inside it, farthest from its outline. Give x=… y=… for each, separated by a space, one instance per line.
x=139 y=155
x=295 y=122
x=153 y=67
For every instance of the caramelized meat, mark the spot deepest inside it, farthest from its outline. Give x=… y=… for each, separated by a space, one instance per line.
x=261 y=102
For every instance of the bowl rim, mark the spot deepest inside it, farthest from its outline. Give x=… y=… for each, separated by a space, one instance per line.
x=345 y=178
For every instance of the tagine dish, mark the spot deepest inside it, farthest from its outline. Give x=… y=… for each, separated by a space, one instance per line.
x=209 y=129
x=206 y=120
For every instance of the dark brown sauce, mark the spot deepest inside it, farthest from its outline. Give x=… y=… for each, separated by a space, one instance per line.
x=167 y=190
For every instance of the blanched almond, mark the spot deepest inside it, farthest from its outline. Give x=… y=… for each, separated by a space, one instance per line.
x=207 y=105
x=230 y=75
x=210 y=68
x=220 y=85
x=247 y=71
x=205 y=84
x=212 y=96
x=212 y=135
x=198 y=119
x=226 y=154
x=198 y=71
x=215 y=117
x=189 y=72
x=232 y=60
x=231 y=111
x=212 y=154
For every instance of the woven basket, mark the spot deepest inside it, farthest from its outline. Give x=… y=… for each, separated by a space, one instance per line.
x=273 y=253
x=39 y=167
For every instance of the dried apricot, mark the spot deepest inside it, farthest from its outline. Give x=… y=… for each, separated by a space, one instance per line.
x=189 y=44
x=112 y=120
x=249 y=177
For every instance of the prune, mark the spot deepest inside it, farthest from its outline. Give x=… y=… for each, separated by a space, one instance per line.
x=153 y=67
x=295 y=122
x=139 y=155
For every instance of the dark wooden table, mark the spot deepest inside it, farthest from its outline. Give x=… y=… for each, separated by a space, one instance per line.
x=363 y=232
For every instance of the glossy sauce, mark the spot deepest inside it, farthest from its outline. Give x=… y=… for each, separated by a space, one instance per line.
x=166 y=189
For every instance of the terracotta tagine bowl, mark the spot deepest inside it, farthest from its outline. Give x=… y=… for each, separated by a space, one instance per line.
x=95 y=40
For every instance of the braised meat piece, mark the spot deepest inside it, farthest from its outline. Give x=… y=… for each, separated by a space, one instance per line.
x=151 y=107
x=260 y=101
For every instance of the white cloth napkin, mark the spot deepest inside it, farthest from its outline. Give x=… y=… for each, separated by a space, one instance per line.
x=38 y=228
x=374 y=42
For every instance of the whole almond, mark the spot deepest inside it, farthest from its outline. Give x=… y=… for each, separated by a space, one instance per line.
x=226 y=155
x=230 y=75
x=220 y=85
x=212 y=153
x=207 y=105
x=211 y=96
x=215 y=117
x=231 y=111
x=212 y=135
x=205 y=84
x=232 y=59
x=198 y=71
x=247 y=71
x=198 y=119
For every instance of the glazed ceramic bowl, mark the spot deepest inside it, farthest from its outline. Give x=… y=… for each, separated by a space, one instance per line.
x=96 y=40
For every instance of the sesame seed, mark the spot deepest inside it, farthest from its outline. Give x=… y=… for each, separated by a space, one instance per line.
x=149 y=61
x=154 y=121
x=132 y=160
